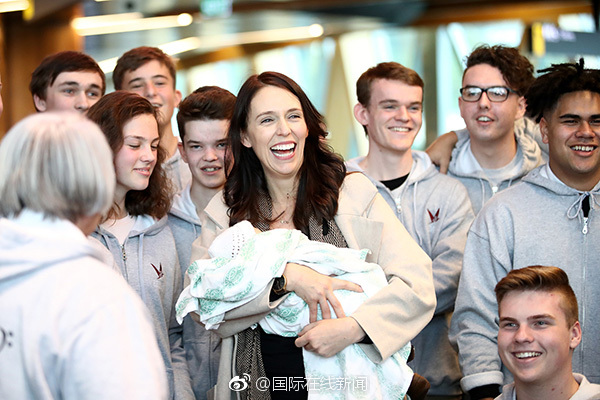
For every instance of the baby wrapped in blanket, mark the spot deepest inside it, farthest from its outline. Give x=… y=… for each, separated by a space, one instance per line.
x=243 y=264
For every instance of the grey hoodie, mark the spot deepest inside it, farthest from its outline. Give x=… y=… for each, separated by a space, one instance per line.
x=537 y=222
x=70 y=327
x=202 y=347
x=436 y=211
x=148 y=262
x=465 y=167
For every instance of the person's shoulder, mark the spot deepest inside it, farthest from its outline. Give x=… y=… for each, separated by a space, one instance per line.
x=358 y=185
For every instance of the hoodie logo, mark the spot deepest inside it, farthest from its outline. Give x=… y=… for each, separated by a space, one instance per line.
x=434 y=217
x=158 y=271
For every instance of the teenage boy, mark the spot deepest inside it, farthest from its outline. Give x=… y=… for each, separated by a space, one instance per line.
x=151 y=73
x=203 y=120
x=434 y=208
x=497 y=148
x=539 y=330
x=548 y=219
x=66 y=81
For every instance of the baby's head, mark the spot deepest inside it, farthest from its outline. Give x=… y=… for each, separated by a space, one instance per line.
x=229 y=243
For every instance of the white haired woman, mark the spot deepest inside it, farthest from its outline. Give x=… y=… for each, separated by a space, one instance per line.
x=70 y=328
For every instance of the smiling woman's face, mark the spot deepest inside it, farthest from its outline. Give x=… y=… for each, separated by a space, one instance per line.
x=276 y=132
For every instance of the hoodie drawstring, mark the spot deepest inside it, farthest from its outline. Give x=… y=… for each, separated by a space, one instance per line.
x=575 y=210
x=140 y=267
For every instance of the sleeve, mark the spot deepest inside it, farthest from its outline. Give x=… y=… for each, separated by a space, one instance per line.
x=113 y=353
x=474 y=326
x=448 y=248
x=181 y=375
x=399 y=311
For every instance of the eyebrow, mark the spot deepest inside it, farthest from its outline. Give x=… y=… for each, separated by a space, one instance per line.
x=139 y=78
x=398 y=102
x=139 y=138
x=273 y=112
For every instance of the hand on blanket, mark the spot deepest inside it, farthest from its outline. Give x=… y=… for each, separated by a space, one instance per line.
x=317 y=289
x=328 y=337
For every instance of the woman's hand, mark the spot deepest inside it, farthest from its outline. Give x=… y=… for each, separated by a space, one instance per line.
x=317 y=290
x=329 y=337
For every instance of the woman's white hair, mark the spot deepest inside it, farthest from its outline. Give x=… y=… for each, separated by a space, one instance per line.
x=58 y=164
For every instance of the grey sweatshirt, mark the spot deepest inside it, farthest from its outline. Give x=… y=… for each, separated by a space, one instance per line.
x=202 y=347
x=586 y=391
x=436 y=211
x=537 y=222
x=148 y=262
x=465 y=167
x=70 y=327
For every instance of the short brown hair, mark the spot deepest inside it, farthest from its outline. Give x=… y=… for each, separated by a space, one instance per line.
x=543 y=279
x=64 y=61
x=515 y=68
x=135 y=58
x=205 y=103
x=386 y=70
x=111 y=113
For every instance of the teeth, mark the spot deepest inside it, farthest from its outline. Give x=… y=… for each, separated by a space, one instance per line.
x=484 y=119
x=398 y=129
x=583 y=148
x=527 y=354
x=283 y=147
x=211 y=169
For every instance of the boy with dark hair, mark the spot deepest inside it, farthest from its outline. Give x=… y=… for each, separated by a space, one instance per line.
x=434 y=208
x=496 y=149
x=203 y=120
x=538 y=332
x=151 y=73
x=547 y=219
x=68 y=80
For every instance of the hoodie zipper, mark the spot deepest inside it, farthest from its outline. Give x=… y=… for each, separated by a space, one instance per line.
x=123 y=253
x=585 y=226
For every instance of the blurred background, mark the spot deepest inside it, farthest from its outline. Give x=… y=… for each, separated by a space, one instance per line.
x=322 y=44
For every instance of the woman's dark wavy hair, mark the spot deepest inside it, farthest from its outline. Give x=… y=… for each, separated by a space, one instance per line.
x=321 y=174
x=559 y=79
x=111 y=113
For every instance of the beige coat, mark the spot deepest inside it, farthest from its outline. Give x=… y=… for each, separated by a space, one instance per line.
x=391 y=318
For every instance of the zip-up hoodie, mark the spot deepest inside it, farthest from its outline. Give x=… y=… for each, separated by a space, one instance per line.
x=202 y=347
x=467 y=170
x=148 y=262
x=436 y=211
x=537 y=222
x=70 y=328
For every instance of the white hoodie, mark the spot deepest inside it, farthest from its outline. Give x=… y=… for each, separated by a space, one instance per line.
x=70 y=327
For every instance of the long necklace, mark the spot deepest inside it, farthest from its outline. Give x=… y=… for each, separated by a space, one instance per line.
x=282 y=220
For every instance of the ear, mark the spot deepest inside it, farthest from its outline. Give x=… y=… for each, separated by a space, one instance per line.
x=177 y=98
x=575 y=335
x=521 y=107
x=40 y=104
x=182 y=152
x=544 y=130
x=245 y=141
x=361 y=113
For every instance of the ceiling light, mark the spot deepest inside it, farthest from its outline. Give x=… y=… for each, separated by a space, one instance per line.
x=13 y=5
x=207 y=43
x=127 y=22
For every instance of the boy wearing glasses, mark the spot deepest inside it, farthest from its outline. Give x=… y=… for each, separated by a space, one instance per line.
x=550 y=218
x=494 y=152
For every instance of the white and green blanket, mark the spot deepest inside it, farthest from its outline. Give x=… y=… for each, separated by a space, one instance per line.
x=245 y=262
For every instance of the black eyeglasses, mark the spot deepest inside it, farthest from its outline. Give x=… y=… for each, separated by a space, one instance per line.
x=497 y=94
